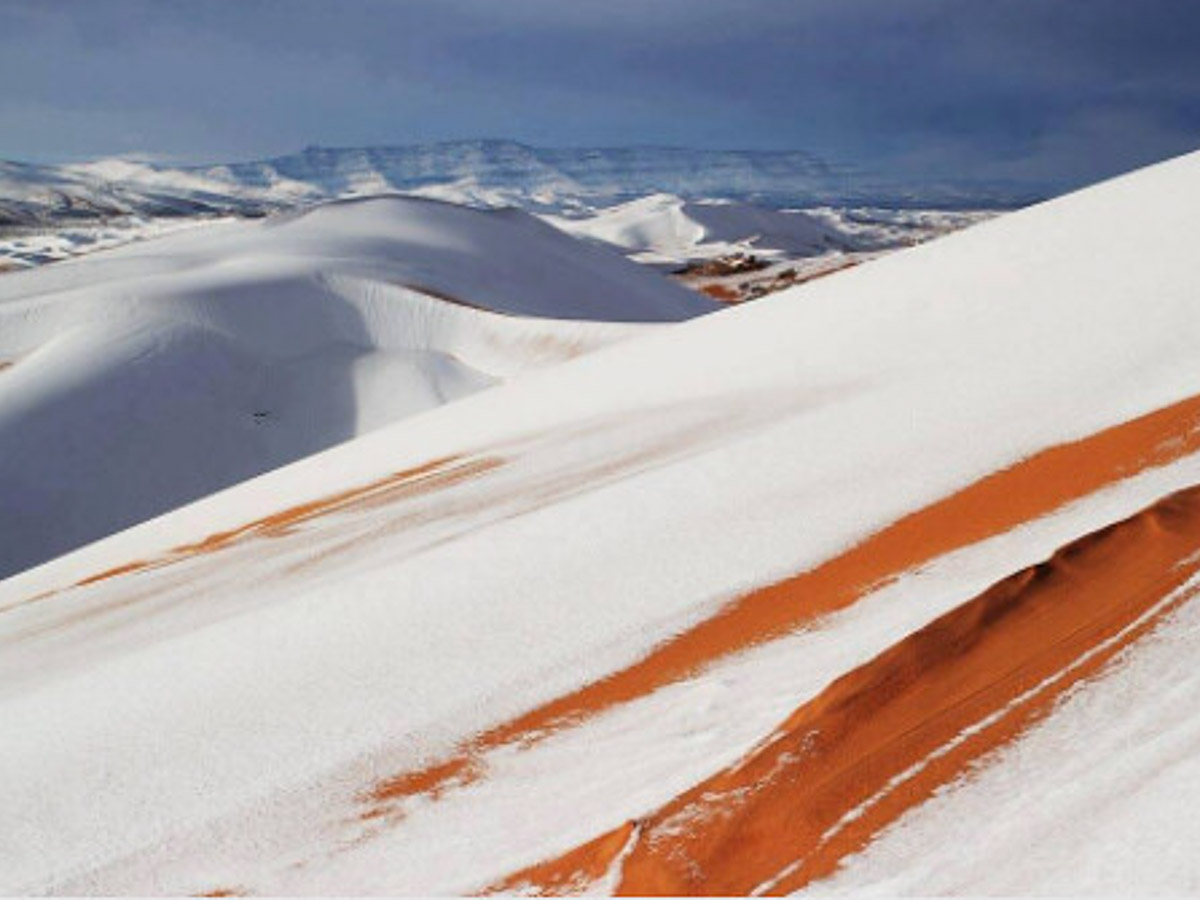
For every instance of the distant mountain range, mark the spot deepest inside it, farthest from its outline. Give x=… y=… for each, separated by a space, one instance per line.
x=481 y=173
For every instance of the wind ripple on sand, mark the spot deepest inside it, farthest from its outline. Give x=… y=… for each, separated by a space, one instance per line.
x=880 y=739
x=994 y=505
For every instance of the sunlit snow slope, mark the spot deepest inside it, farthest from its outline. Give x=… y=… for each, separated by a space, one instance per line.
x=666 y=228
x=155 y=374
x=715 y=610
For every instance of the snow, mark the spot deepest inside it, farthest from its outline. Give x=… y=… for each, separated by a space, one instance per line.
x=199 y=706
x=1098 y=800
x=23 y=248
x=667 y=228
x=614 y=768
x=487 y=172
x=157 y=373
x=882 y=227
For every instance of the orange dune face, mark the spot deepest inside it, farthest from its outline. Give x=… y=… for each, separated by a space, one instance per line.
x=994 y=505
x=576 y=871
x=882 y=738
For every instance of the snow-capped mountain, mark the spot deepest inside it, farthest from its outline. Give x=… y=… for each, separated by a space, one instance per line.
x=38 y=196
x=549 y=175
x=487 y=173
x=557 y=176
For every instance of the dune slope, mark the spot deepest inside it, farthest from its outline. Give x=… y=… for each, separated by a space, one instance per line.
x=663 y=227
x=403 y=665
x=157 y=374
x=882 y=737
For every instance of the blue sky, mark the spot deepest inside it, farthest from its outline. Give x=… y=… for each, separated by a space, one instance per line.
x=1060 y=91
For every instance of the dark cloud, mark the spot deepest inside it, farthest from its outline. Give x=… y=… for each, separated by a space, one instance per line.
x=1056 y=91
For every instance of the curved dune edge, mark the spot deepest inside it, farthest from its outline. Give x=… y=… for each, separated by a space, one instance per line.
x=880 y=739
x=993 y=505
x=425 y=478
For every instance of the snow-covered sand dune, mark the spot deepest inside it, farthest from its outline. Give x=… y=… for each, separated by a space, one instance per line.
x=735 y=251
x=593 y=629
x=667 y=228
x=158 y=373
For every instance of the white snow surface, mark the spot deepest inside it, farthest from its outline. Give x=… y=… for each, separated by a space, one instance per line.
x=487 y=171
x=26 y=248
x=186 y=728
x=158 y=373
x=667 y=228
x=1097 y=800
x=618 y=766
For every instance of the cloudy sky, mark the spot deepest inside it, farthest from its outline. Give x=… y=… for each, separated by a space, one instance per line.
x=1065 y=91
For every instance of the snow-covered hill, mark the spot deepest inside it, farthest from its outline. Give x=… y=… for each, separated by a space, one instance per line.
x=496 y=169
x=889 y=577
x=737 y=251
x=158 y=373
x=561 y=176
x=667 y=228
x=481 y=173
x=42 y=195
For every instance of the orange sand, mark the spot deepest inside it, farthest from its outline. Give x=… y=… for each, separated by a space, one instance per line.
x=994 y=505
x=882 y=738
x=134 y=566
x=429 y=476
x=433 y=781
x=721 y=292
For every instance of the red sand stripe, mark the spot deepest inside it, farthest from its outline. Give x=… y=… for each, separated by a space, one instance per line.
x=994 y=505
x=883 y=737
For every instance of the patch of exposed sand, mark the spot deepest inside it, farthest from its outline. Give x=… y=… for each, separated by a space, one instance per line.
x=883 y=737
x=994 y=505
x=424 y=478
